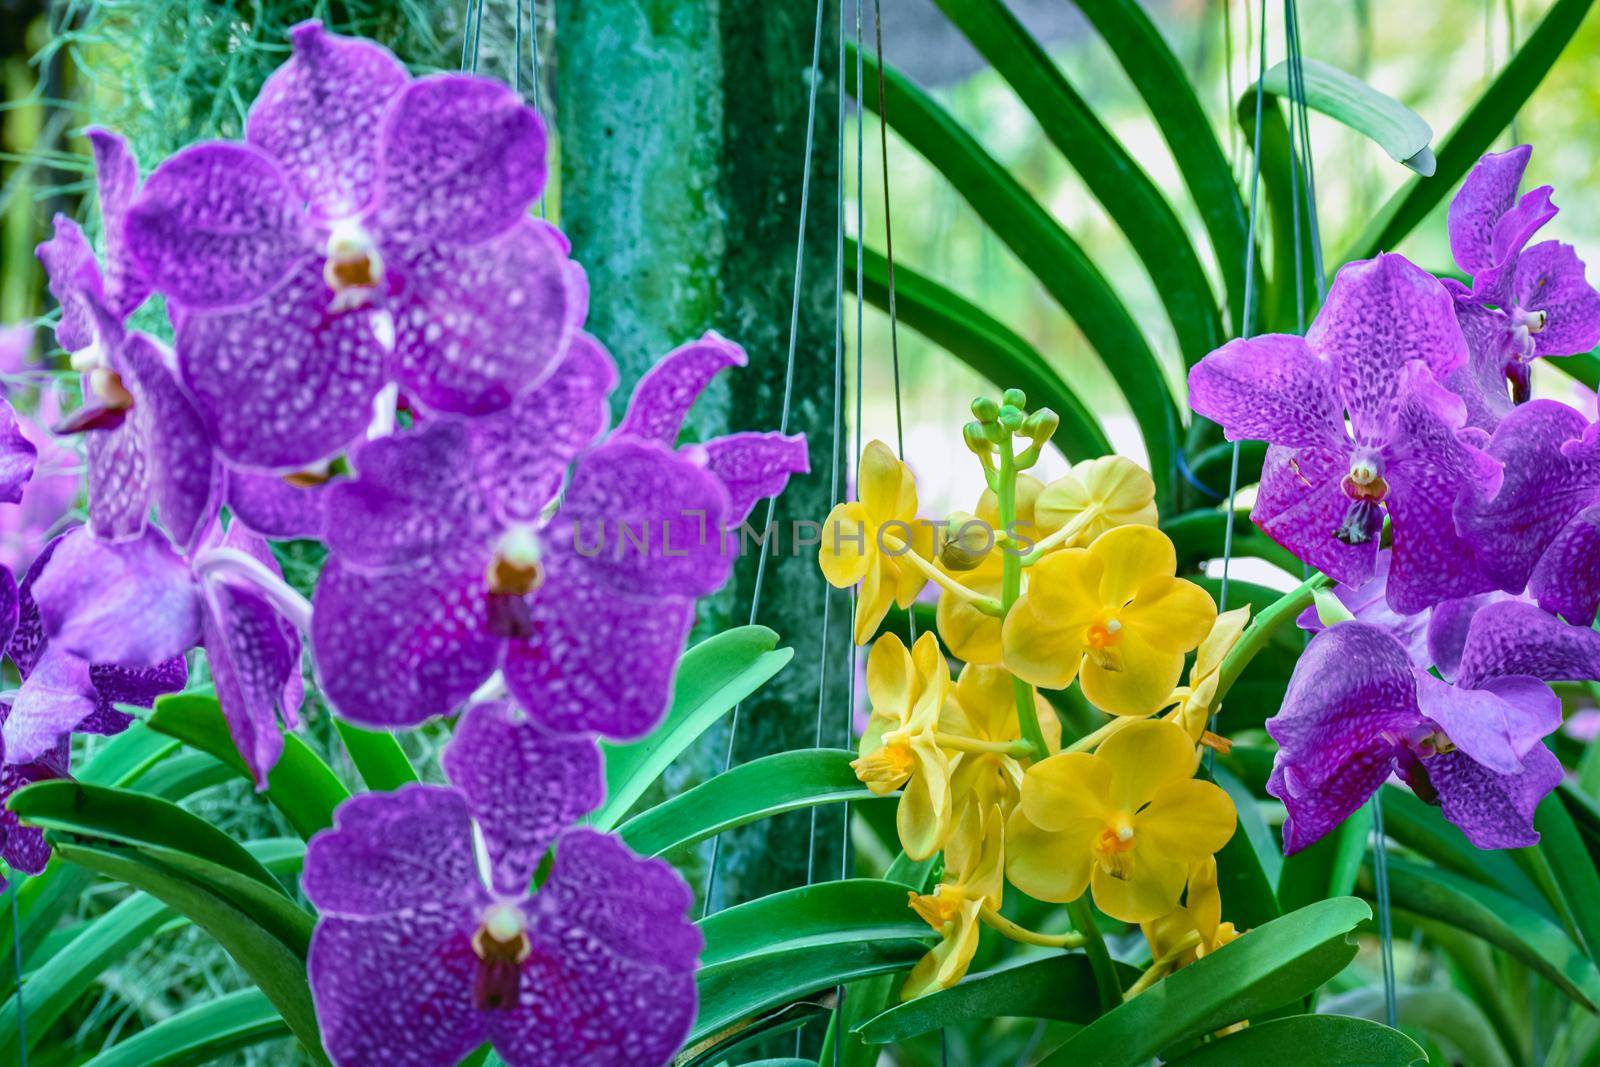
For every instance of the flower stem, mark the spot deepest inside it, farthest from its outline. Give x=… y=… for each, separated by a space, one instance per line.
x=986 y=604
x=957 y=743
x=1088 y=741
x=1159 y=968
x=1062 y=536
x=1260 y=631
x=1010 y=590
x=1094 y=946
x=996 y=921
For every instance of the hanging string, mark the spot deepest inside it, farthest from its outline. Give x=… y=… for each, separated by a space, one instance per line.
x=16 y=962
x=533 y=55
x=471 y=35
x=788 y=396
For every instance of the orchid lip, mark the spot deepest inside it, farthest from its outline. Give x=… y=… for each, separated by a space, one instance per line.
x=501 y=945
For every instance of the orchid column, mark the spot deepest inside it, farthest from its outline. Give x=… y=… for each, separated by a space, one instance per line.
x=683 y=138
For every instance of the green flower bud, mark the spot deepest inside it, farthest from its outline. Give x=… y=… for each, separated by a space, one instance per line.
x=986 y=409
x=1011 y=418
x=967 y=541
x=977 y=438
x=1041 y=425
x=1015 y=398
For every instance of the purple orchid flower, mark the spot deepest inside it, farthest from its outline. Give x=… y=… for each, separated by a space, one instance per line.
x=137 y=604
x=1358 y=709
x=370 y=228
x=143 y=437
x=17 y=453
x=443 y=568
x=421 y=955
x=23 y=847
x=1384 y=337
x=1524 y=302
x=1541 y=530
x=63 y=692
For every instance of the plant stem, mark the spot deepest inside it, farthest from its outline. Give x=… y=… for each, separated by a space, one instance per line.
x=957 y=743
x=986 y=604
x=1088 y=741
x=1094 y=946
x=1010 y=590
x=996 y=921
x=1160 y=966
x=1260 y=631
x=1062 y=536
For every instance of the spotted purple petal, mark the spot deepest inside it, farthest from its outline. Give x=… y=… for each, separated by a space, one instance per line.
x=1550 y=278
x=1351 y=697
x=23 y=847
x=1486 y=196
x=285 y=382
x=319 y=115
x=131 y=604
x=119 y=479
x=10 y=606
x=523 y=786
x=668 y=390
x=123 y=685
x=1270 y=388
x=74 y=279
x=408 y=850
x=417 y=496
x=752 y=466
x=1447 y=625
x=1301 y=502
x=184 y=475
x=1512 y=637
x=1566 y=580
x=476 y=326
x=1496 y=725
x=217 y=225
x=645 y=520
x=396 y=649
x=1369 y=602
x=274 y=507
x=1516 y=227
x=1480 y=382
x=117 y=176
x=54 y=699
x=1381 y=314
x=27 y=637
x=1552 y=471
x=252 y=652
x=460 y=159
x=1428 y=466
x=522 y=453
x=17 y=456
x=597 y=661
x=1493 y=810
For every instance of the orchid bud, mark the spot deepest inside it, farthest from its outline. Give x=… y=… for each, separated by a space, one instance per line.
x=986 y=409
x=1041 y=425
x=1015 y=398
x=967 y=542
x=977 y=439
x=1011 y=418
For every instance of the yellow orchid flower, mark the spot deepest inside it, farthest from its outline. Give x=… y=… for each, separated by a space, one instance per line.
x=983 y=708
x=1126 y=821
x=973 y=881
x=1193 y=711
x=899 y=748
x=1097 y=495
x=868 y=540
x=1193 y=928
x=1112 y=613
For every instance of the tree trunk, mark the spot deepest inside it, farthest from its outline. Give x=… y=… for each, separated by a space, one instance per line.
x=683 y=135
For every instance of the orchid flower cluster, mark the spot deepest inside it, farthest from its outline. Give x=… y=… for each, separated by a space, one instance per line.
x=1457 y=517
x=378 y=347
x=1040 y=586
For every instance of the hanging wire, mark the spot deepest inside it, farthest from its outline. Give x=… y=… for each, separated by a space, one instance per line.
x=788 y=396
x=533 y=55
x=16 y=961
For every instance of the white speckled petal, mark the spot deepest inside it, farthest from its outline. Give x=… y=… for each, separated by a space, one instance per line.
x=117 y=175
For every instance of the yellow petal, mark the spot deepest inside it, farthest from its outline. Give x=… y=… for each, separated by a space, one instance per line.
x=1039 y=651
x=1075 y=787
x=964 y=846
x=1170 y=613
x=1204 y=901
x=846 y=548
x=874 y=600
x=1165 y=932
x=1225 y=633
x=910 y=578
x=1141 y=759
x=1045 y=864
x=1186 y=820
x=947 y=962
x=1143 y=681
x=969 y=634
x=1131 y=556
x=990 y=703
x=887 y=487
x=923 y=816
x=1049 y=725
x=932 y=682
x=986 y=881
x=1066 y=585
x=1027 y=524
x=891 y=679
x=1149 y=892
x=984 y=780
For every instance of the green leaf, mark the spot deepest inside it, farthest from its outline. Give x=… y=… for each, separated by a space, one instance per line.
x=301 y=786
x=1160 y=79
x=1576 y=881
x=126 y=756
x=1291 y=297
x=770 y=952
x=378 y=757
x=1058 y=986
x=1199 y=535
x=1502 y=920
x=1330 y=867
x=200 y=1034
x=1248 y=865
x=1475 y=134
x=1049 y=252
x=1309 y=1041
x=1345 y=98
x=756 y=790
x=712 y=677
x=983 y=343
x=277 y=969
x=1423 y=829
x=1446 y=1016
x=1270 y=966
x=1109 y=171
